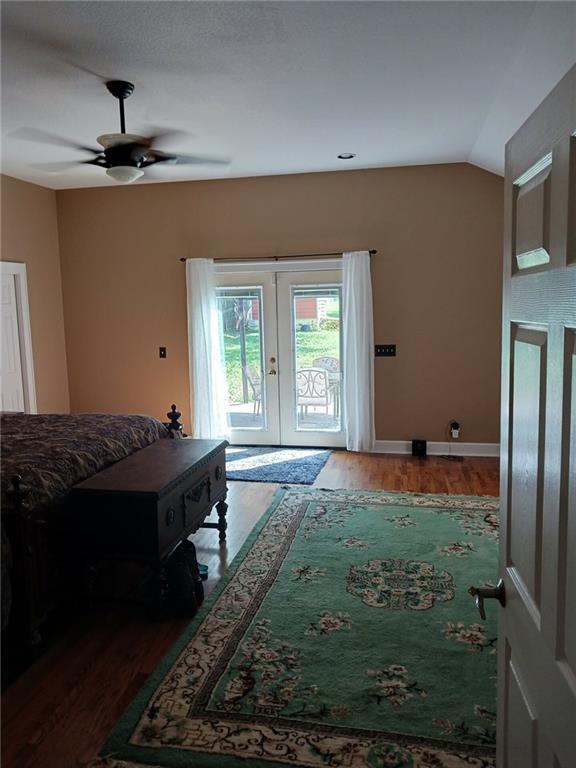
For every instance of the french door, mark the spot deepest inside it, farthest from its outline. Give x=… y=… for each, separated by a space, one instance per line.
x=282 y=342
x=248 y=328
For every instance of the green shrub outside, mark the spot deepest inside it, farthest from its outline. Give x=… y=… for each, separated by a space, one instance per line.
x=329 y=324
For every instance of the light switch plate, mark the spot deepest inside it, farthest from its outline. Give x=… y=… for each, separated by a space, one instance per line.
x=385 y=350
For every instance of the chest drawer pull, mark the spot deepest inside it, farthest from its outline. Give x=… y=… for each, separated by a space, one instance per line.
x=196 y=493
x=170 y=514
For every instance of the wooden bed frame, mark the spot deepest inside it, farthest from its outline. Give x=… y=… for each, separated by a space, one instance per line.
x=38 y=584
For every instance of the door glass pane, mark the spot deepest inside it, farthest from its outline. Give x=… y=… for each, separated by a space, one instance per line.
x=317 y=347
x=240 y=315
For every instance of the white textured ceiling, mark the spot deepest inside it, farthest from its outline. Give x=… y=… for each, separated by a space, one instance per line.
x=280 y=87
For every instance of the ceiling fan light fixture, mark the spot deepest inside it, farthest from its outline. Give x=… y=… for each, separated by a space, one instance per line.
x=124 y=174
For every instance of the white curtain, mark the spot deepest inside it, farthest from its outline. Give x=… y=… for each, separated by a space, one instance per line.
x=207 y=377
x=358 y=351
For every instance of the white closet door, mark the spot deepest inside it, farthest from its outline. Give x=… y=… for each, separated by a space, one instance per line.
x=11 y=368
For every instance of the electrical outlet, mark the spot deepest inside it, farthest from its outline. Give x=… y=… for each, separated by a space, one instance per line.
x=385 y=350
x=454 y=430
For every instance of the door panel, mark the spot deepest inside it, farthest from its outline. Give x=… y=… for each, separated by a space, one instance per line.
x=310 y=372
x=567 y=549
x=522 y=722
x=571 y=239
x=537 y=685
x=532 y=220
x=527 y=439
x=247 y=313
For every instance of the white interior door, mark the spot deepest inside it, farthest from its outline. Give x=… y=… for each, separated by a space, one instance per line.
x=310 y=358
x=11 y=371
x=537 y=630
x=282 y=347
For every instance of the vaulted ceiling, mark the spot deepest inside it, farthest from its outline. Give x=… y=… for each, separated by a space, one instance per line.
x=278 y=87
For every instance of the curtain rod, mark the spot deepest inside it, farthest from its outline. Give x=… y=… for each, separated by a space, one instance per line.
x=372 y=252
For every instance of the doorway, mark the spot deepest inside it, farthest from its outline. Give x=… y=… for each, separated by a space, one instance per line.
x=282 y=341
x=17 y=389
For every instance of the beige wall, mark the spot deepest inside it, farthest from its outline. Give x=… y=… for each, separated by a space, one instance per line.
x=30 y=235
x=437 y=282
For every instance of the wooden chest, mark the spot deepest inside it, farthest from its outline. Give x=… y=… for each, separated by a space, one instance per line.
x=142 y=507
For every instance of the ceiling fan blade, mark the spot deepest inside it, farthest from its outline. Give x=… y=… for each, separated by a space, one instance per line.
x=65 y=165
x=165 y=157
x=202 y=160
x=43 y=137
x=159 y=135
x=56 y=167
x=71 y=63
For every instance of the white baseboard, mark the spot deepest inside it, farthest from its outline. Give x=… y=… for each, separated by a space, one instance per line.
x=439 y=449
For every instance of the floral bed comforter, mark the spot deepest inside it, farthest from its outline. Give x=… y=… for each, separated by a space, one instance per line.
x=53 y=452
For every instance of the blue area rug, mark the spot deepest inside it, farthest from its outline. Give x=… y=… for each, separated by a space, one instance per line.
x=263 y=464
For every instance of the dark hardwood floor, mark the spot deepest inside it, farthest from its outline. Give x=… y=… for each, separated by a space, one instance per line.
x=59 y=711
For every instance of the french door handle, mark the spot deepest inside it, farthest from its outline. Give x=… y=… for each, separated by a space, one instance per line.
x=488 y=593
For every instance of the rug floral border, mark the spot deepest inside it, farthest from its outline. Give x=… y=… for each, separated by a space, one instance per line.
x=219 y=623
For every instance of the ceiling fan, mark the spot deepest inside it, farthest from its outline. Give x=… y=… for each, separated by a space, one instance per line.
x=123 y=155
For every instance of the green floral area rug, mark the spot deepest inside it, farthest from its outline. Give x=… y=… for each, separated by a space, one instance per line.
x=342 y=635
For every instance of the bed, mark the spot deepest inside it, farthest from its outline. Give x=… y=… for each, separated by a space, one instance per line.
x=43 y=456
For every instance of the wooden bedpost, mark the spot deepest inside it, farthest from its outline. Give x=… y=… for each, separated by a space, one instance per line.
x=175 y=427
